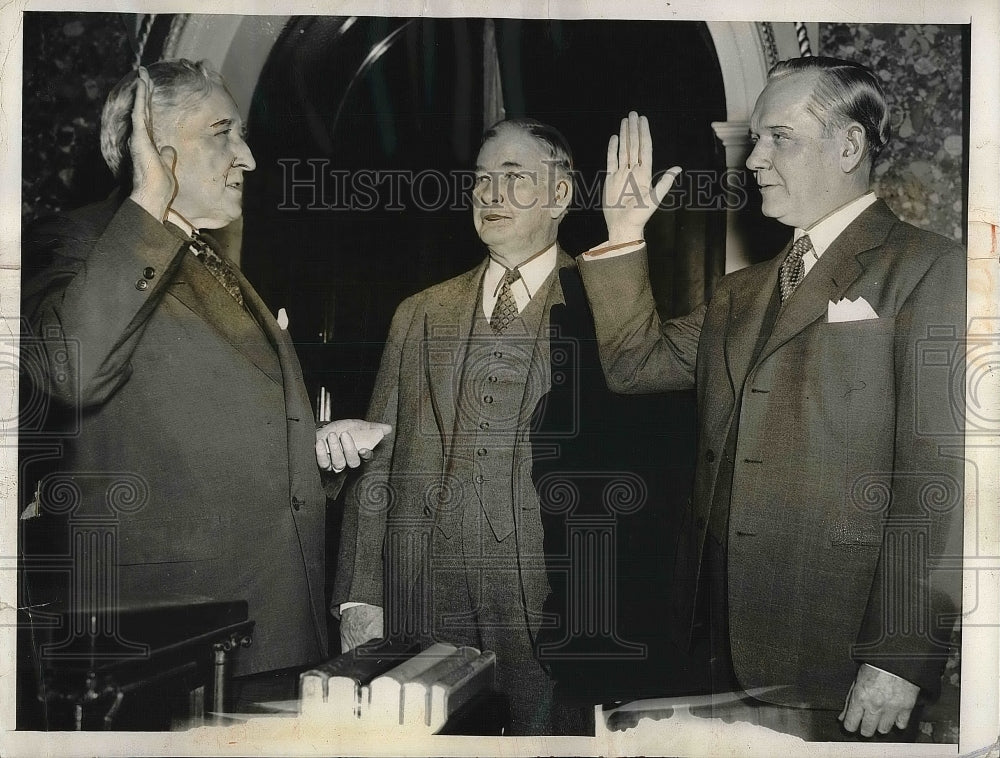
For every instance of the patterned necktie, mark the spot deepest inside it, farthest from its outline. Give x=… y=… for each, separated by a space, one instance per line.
x=792 y=268
x=505 y=310
x=217 y=266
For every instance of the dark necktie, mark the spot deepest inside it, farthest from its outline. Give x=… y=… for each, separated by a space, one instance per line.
x=505 y=309
x=217 y=266
x=793 y=269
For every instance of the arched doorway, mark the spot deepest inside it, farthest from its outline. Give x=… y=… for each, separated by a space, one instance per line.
x=365 y=128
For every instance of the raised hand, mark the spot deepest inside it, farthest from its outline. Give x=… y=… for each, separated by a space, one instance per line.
x=629 y=195
x=154 y=183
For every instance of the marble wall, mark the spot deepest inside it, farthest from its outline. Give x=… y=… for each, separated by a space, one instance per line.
x=921 y=174
x=71 y=62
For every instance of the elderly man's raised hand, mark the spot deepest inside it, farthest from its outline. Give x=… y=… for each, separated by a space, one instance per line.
x=154 y=184
x=629 y=194
x=347 y=442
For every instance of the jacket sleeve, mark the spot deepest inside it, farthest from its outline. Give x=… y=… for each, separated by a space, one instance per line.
x=639 y=353
x=913 y=603
x=87 y=311
x=359 y=575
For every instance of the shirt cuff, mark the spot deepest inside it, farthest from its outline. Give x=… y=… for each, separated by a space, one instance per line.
x=344 y=606
x=607 y=250
x=897 y=676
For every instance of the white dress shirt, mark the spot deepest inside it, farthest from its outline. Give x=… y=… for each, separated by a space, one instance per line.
x=533 y=275
x=822 y=234
x=827 y=229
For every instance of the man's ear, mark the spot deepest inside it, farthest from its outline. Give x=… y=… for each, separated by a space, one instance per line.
x=853 y=148
x=562 y=196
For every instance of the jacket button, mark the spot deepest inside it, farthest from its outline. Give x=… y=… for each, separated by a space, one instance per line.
x=297 y=503
x=488 y=399
x=497 y=354
x=484 y=425
x=479 y=478
x=149 y=272
x=141 y=285
x=710 y=455
x=493 y=379
x=481 y=452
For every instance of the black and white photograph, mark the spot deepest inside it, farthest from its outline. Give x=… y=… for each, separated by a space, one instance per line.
x=500 y=379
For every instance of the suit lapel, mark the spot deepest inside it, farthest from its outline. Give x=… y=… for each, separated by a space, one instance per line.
x=747 y=310
x=196 y=288
x=447 y=326
x=836 y=270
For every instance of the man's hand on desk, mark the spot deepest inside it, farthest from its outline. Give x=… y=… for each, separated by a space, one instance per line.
x=878 y=700
x=358 y=624
x=629 y=195
x=347 y=442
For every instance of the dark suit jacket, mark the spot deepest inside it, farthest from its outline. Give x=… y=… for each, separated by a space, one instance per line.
x=848 y=470
x=193 y=429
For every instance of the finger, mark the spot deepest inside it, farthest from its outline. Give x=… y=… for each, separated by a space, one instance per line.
x=633 y=139
x=140 y=106
x=140 y=109
x=613 y=154
x=886 y=722
x=350 y=450
x=903 y=718
x=623 y=144
x=665 y=183
x=847 y=702
x=386 y=429
x=338 y=462
x=366 y=436
x=323 y=454
x=869 y=722
x=853 y=714
x=645 y=144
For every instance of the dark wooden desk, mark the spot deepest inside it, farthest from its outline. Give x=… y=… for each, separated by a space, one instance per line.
x=144 y=664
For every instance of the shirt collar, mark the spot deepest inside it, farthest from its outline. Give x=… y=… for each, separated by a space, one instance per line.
x=181 y=223
x=826 y=230
x=533 y=273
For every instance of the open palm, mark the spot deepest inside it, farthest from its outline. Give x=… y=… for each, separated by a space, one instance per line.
x=629 y=194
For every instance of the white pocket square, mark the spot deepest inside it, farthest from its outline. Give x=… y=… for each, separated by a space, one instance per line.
x=849 y=310
x=282 y=318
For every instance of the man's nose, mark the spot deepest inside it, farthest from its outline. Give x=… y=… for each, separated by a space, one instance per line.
x=757 y=159
x=244 y=158
x=489 y=192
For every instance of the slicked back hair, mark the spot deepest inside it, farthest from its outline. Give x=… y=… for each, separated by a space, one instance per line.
x=549 y=136
x=177 y=86
x=844 y=92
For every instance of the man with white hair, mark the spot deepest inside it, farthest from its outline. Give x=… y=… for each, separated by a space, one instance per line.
x=184 y=382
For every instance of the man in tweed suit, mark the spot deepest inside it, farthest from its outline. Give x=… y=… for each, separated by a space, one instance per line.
x=449 y=497
x=821 y=437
